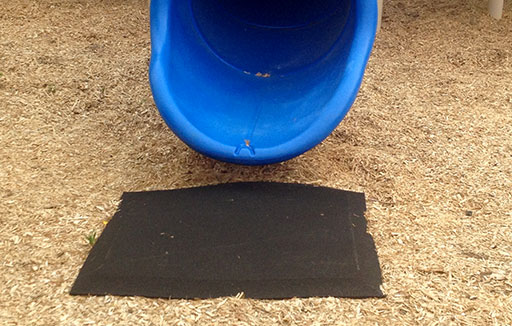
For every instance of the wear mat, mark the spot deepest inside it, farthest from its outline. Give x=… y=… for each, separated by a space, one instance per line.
x=267 y=240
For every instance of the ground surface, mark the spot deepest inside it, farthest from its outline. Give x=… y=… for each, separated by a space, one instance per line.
x=429 y=140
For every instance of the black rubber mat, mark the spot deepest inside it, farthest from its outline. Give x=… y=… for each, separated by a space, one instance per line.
x=267 y=240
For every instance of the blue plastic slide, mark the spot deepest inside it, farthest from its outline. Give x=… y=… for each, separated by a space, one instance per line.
x=258 y=81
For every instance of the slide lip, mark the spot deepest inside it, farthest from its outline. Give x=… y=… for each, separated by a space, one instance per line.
x=334 y=111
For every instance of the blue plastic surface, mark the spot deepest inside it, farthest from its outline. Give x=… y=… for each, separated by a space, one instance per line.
x=258 y=81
